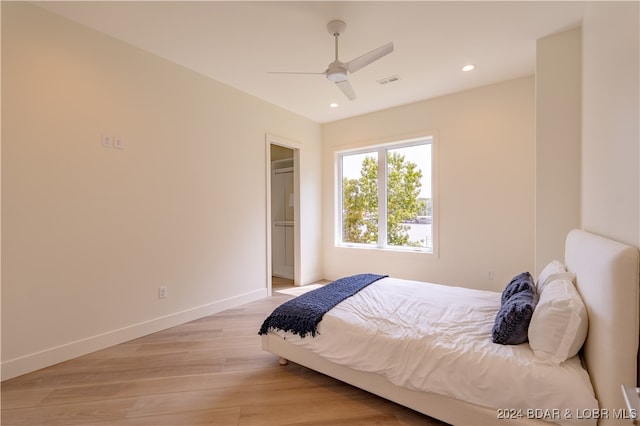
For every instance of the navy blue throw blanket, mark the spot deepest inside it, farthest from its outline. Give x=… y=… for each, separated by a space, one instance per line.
x=302 y=314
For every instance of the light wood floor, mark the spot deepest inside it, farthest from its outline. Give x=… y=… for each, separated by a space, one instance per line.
x=211 y=371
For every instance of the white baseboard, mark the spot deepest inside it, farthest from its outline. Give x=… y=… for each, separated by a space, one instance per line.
x=35 y=361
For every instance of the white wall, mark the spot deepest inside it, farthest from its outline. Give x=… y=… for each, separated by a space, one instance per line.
x=486 y=148
x=90 y=233
x=558 y=139
x=610 y=126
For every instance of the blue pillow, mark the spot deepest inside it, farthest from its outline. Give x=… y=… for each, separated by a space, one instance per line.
x=519 y=300
x=521 y=282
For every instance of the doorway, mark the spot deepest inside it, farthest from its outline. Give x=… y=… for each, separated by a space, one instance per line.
x=282 y=216
x=283 y=236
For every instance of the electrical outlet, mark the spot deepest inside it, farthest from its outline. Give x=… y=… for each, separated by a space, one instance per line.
x=162 y=292
x=490 y=275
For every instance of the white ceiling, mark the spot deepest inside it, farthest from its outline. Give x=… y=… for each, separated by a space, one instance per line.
x=239 y=42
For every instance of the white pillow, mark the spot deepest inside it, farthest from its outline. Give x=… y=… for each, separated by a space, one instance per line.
x=553 y=271
x=559 y=323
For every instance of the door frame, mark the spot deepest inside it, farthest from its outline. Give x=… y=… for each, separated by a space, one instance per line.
x=271 y=139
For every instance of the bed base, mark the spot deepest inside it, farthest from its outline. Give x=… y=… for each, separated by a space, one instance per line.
x=443 y=408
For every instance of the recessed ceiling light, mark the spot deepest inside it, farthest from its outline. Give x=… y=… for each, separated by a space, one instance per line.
x=333 y=105
x=468 y=67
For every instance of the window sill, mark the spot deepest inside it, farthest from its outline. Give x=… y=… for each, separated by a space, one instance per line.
x=399 y=250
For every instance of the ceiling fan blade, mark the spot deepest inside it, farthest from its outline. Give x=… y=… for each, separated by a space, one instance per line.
x=364 y=60
x=346 y=88
x=296 y=72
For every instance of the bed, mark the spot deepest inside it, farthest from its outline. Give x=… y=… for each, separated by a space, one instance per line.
x=606 y=275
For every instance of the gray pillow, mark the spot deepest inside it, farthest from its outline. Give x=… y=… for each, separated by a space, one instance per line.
x=521 y=282
x=518 y=303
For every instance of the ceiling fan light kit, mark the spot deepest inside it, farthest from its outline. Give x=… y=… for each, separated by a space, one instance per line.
x=338 y=71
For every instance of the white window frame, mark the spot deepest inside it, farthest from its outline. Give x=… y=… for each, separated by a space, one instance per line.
x=382 y=149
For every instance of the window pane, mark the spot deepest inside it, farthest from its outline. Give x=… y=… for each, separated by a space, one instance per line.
x=360 y=198
x=409 y=201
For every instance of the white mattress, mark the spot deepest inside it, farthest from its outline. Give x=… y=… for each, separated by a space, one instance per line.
x=437 y=338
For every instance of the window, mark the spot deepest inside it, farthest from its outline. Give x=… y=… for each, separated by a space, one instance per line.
x=386 y=197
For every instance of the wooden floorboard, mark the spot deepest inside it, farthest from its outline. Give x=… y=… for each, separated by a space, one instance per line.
x=211 y=371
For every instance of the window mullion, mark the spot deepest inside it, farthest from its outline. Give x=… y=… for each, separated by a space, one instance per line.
x=382 y=198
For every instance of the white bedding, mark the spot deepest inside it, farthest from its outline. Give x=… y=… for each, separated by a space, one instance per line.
x=436 y=338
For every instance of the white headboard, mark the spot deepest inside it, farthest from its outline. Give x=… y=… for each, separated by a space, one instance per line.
x=607 y=276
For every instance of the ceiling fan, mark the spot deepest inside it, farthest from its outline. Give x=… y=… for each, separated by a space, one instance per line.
x=338 y=71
